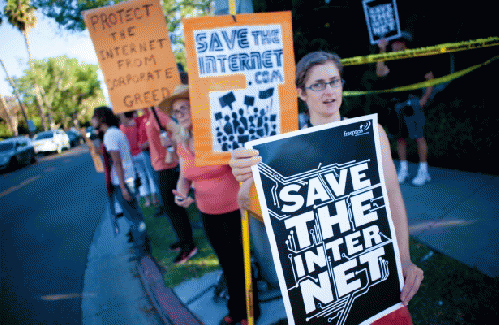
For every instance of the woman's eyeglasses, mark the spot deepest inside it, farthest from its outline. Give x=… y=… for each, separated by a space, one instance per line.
x=320 y=86
x=181 y=112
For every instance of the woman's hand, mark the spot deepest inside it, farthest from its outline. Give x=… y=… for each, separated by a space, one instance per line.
x=241 y=162
x=413 y=276
x=182 y=200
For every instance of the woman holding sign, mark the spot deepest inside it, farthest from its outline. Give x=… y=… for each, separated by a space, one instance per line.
x=319 y=84
x=216 y=197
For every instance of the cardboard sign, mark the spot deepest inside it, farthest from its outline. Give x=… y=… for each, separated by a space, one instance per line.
x=134 y=52
x=241 y=80
x=327 y=216
x=382 y=19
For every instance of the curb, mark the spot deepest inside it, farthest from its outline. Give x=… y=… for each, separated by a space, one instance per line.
x=171 y=309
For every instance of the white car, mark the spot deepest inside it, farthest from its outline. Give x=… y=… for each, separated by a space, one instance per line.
x=51 y=141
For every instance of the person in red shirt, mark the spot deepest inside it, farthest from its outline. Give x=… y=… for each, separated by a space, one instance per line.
x=216 y=192
x=130 y=127
x=144 y=145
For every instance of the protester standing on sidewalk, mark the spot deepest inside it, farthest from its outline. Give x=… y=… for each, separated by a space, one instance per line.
x=146 y=151
x=115 y=208
x=147 y=188
x=215 y=191
x=122 y=174
x=168 y=172
x=319 y=83
x=408 y=106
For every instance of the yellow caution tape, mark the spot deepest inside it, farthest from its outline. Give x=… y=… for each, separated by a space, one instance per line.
x=232 y=7
x=423 y=84
x=422 y=51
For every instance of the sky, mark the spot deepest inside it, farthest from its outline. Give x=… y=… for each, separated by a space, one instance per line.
x=47 y=40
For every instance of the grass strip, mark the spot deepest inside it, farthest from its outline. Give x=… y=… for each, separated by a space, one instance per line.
x=451 y=292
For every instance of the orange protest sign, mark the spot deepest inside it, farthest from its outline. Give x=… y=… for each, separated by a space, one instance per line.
x=241 y=80
x=134 y=52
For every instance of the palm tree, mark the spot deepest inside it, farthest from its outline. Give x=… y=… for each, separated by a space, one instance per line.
x=23 y=109
x=21 y=15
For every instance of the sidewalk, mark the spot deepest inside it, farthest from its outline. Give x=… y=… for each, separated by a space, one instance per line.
x=454 y=214
x=112 y=289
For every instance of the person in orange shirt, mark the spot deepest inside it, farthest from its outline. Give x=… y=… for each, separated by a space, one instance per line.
x=215 y=191
x=159 y=125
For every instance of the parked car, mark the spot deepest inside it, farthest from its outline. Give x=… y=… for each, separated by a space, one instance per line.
x=75 y=137
x=15 y=152
x=51 y=141
x=92 y=133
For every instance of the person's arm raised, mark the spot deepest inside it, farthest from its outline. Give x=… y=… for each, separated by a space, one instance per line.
x=381 y=68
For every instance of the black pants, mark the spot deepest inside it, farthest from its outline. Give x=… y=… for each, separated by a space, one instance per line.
x=178 y=215
x=224 y=234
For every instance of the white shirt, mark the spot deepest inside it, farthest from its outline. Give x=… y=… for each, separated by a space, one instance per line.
x=115 y=140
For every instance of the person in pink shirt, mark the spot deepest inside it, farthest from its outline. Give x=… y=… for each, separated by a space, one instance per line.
x=216 y=192
x=166 y=165
x=130 y=127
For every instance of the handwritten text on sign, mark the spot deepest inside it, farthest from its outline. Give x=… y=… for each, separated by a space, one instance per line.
x=134 y=52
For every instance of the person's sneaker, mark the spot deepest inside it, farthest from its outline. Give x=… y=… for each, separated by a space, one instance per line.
x=227 y=320
x=402 y=175
x=175 y=247
x=421 y=178
x=184 y=256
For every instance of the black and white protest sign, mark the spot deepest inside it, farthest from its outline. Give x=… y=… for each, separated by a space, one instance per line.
x=239 y=116
x=328 y=220
x=382 y=19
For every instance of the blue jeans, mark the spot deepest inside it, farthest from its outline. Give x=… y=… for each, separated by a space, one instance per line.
x=131 y=212
x=151 y=171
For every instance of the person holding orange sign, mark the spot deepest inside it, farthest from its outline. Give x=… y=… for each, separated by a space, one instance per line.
x=216 y=198
x=319 y=83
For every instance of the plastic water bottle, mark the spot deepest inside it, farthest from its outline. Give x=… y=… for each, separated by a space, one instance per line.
x=169 y=150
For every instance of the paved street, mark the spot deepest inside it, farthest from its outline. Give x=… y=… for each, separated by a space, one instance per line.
x=49 y=213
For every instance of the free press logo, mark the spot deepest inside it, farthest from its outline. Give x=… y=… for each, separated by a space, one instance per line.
x=362 y=130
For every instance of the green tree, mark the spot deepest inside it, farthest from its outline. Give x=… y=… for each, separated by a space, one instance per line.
x=21 y=15
x=70 y=87
x=8 y=113
x=67 y=13
x=21 y=105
